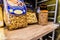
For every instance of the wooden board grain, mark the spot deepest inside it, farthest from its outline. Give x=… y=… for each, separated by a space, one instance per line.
x=2 y=35
x=31 y=32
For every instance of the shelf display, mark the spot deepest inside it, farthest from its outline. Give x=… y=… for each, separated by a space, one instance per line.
x=18 y=15
x=15 y=14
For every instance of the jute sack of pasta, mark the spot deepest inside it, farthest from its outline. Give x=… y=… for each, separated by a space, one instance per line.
x=1 y=17
x=43 y=17
x=31 y=17
x=15 y=14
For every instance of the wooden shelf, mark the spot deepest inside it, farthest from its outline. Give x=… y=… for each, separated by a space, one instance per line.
x=31 y=32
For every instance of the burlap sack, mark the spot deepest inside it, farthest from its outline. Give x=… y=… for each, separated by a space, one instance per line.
x=31 y=18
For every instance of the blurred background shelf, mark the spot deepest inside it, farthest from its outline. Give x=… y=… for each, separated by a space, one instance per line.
x=51 y=18
x=51 y=12
x=51 y=5
x=42 y=1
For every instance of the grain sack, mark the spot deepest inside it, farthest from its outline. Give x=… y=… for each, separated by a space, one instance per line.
x=1 y=17
x=43 y=17
x=31 y=17
x=15 y=14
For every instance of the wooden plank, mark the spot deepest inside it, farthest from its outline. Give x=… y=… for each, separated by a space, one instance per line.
x=2 y=35
x=31 y=32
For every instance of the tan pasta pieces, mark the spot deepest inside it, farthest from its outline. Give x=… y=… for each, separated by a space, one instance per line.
x=15 y=14
x=31 y=17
